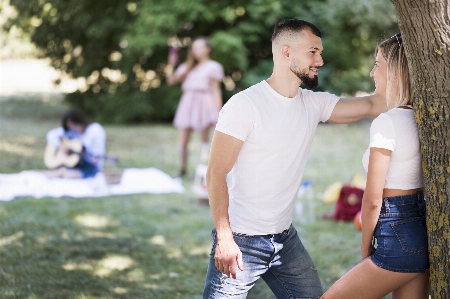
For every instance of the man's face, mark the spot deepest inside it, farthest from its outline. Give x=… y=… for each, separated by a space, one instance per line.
x=307 y=58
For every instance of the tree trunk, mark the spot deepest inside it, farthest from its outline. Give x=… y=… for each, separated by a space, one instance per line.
x=425 y=30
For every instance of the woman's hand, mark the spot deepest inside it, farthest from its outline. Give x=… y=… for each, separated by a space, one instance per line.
x=173 y=56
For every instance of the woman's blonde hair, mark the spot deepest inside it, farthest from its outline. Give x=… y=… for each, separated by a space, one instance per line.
x=398 y=87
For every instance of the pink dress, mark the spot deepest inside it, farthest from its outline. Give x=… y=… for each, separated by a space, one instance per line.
x=197 y=109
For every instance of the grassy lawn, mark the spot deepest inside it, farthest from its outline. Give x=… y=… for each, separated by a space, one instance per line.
x=142 y=246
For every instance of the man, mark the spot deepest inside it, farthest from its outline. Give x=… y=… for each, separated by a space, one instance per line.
x=263 y=137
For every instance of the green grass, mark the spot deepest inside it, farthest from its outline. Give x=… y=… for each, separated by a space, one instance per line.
x=142 y=246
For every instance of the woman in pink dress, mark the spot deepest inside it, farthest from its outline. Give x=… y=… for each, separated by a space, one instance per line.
x=202 y=96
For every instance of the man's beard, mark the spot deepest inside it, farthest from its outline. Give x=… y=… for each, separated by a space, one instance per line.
x=310 y=83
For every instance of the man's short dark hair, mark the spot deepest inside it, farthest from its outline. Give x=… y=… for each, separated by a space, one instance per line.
x=294 y=25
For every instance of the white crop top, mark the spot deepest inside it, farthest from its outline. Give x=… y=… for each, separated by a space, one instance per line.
x=396 y=130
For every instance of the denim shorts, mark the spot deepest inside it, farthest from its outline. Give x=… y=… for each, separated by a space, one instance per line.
x=401 y=235
x=87 y=169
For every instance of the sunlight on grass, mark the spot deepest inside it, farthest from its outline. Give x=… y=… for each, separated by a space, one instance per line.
x=93 y=220
x=158 y=240
x=113 y=263
x=27 y=139
x=81 y=266
x=136 y=275
x=119 y=290
x=10 y=239
x=155 y=276
x=97 y=234
x=150 y=286
x=174 y=253
x=201 y=250
x=16 y=149
x=44 y=239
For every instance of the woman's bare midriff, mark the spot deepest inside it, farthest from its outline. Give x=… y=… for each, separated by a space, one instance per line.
x=398 y=192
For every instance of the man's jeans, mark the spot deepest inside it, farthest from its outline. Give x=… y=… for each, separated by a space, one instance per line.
x=280 y=260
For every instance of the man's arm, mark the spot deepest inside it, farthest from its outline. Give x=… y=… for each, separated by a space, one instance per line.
x=353 y=109
x=224 y=152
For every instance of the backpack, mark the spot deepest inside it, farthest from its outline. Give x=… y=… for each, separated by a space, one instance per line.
x=348 y=204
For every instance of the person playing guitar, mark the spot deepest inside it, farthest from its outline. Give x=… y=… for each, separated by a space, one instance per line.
x=76 y=149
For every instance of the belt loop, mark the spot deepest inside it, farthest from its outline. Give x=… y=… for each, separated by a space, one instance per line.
x=386 y=204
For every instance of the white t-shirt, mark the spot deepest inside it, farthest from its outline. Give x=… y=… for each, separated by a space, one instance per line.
x=93 y=140
x=396 y=130
x=277 y=132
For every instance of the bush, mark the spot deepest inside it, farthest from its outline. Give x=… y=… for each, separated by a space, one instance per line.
x=120 y=47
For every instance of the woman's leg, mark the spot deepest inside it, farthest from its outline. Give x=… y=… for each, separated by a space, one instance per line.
x=64 y=172
x=185 y=135
x=205 y=134
x=418 y=288
x=205 y=147
x=367 y=280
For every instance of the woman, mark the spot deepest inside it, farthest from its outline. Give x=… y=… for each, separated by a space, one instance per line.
x=393 y=209
x=202 y=97
x=76 y=129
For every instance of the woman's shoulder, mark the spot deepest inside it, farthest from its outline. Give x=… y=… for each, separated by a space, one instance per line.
x=214 y=64
x=400 y=114
x=95 y=127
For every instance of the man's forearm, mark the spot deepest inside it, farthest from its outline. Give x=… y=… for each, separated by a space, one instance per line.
x=219 y=201
x=379 y=105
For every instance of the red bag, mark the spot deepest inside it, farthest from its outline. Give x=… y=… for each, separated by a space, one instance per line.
x=348 y=204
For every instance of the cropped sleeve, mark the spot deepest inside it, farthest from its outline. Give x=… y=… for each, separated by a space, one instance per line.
x=216 y=71
x=237 y=117
x=382 y=133
x=54 y=136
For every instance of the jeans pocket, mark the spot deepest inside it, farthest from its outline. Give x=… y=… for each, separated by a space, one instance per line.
x=411 y=233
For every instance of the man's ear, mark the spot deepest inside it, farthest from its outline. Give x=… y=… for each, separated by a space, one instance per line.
x=286 y=52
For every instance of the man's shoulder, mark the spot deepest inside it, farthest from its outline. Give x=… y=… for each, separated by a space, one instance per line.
x=311 y=94
x=251 y=93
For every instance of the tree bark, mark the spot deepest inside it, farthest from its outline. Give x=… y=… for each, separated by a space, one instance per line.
x=425 y=29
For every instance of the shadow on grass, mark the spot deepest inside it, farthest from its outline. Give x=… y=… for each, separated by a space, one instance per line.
x=66 y=248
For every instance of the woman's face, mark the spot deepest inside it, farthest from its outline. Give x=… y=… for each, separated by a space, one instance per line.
x=79 y=128
x=379 y=75
x=200 y=50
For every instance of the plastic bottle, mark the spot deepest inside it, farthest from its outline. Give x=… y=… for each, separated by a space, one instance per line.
x=304 y=206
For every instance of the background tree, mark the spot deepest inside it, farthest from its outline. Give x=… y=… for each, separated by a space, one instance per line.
x=425 y=29
x=120 y=46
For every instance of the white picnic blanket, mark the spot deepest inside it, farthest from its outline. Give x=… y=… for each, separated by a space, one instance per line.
x=133 y=181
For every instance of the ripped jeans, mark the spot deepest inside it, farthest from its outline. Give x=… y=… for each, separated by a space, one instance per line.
x=279 y=259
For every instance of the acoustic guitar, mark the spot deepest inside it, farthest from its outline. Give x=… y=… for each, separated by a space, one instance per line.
x=68 y=153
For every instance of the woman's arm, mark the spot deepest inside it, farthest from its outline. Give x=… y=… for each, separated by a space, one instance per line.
x=217 y=91
x=174 y=77
x=54 y=136
x=372 y=200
